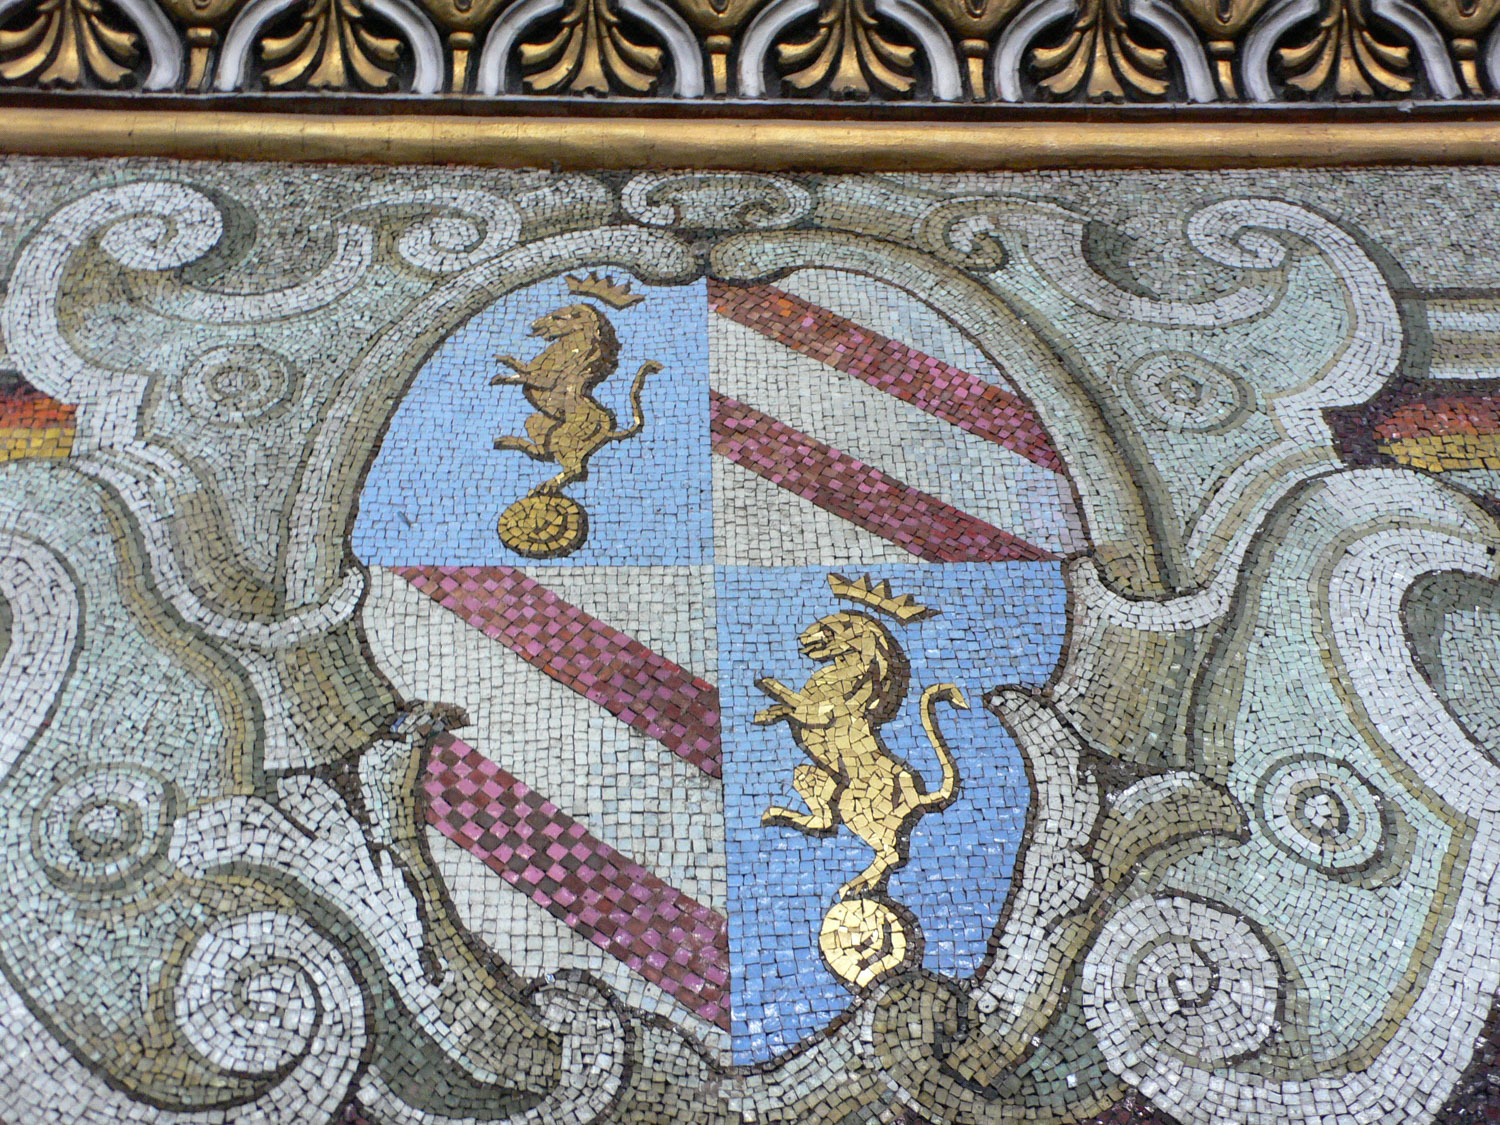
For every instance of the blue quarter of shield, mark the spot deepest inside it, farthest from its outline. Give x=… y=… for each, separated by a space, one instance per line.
x=1000 y=624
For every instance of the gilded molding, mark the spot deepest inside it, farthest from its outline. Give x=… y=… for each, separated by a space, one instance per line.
x=742 y=144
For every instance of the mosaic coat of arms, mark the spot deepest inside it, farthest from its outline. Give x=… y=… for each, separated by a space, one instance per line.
x=725 y=648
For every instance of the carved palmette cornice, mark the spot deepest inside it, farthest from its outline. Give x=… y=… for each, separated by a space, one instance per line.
x=1188 y=51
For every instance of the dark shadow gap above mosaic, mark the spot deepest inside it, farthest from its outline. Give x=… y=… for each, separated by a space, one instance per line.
x=488 y=647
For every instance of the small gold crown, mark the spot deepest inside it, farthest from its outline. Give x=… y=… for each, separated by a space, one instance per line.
x=878 y=596
x=604 y=289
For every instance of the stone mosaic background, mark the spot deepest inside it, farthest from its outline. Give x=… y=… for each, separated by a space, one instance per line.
x=526 y=647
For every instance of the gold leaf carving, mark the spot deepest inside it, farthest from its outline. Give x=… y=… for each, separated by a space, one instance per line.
x=716 y=17
x=1467 y=21
x=1221 y=19
x=69 y=42
x=589 y=51
x=1101 y=57
x=1344 y=52
x=973 y=19
x=331 y=49
x=850 y=53
x=201 y=21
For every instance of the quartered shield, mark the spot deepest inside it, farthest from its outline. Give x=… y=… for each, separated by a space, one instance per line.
x=720 y=579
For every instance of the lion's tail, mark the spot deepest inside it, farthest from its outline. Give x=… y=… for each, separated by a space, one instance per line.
x=950 y=694
x=637 y=415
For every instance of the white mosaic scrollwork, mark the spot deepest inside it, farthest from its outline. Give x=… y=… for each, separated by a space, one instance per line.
x=1054 y=242
x=1322 y=811
x=1355 y=796
x=98 y=831
x=237 y=384
x=1242 y=233
x=353 y=252
x=456 y=229
x=1178 y=978
x=263 y=991
x=334 y=864
x=146 y=226
x=715 y=200
x=1057 y=877
x=1183 y=391
x=1187 y=997
x=592 y=1072
x=44 y=1084
x=39 y=592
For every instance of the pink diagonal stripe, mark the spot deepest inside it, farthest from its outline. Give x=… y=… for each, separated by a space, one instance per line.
x=940 y=389
x=850 y=489
x=650 y=692
x=670 y=939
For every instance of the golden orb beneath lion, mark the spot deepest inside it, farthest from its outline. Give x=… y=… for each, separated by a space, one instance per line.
x=863 y=939
x=544 y=525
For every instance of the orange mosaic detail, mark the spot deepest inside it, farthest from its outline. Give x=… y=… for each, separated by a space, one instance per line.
x=33 y=425
x=1451 y=433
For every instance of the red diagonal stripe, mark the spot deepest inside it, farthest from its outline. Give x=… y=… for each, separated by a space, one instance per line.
x=940 y=389
x=1475 y=414
x=670 y=939
x=850 y=489
x=650 y=692
x=23 y=406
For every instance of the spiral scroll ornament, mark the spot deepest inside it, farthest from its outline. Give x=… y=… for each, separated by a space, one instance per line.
x=105 y=828
x=265 y=994
x=236 y=385
x=1324 y=813
x=1179 y=977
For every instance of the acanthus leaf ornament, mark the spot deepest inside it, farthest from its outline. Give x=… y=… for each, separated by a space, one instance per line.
x=1467 y=22
x=849 y=53
x=590 y=54
x=1345 y=52
x=331 y=49
x=1101 y=56
x=68 y=43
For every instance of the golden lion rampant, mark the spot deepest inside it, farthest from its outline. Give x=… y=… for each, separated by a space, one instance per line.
x=570 y=425
x=853 y=778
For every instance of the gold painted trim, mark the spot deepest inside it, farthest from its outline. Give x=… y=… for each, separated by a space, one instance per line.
x=807 y=145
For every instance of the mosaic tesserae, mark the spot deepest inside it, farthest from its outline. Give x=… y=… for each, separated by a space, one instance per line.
x=679 y=649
